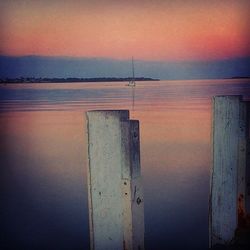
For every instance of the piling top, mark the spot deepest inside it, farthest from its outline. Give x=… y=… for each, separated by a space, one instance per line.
x=108 y=110
x=228 y=97
x=123 y=114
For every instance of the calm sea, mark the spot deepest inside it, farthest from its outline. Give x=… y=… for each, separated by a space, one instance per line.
x=43 y=159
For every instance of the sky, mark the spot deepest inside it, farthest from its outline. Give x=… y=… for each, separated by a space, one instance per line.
x=149 y=30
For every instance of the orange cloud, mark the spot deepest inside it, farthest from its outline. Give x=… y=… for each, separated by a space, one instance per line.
x=119 y=29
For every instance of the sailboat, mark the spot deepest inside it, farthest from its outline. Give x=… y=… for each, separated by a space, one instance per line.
x=132 y=84
x=132 y=81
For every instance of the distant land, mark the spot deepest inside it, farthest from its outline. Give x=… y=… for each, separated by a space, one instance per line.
x=74 y=67
x=73 y=79
x=239 y=77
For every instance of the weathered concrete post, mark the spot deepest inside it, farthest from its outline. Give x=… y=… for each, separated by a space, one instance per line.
x=116 y=211
x=229 y=161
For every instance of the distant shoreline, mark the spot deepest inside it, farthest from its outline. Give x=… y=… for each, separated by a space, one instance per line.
x=73 y=79
x=239 y=77
x=95 y=79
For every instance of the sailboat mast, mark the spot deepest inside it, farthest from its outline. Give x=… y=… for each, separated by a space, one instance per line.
x=133 y=69
x=133 y=84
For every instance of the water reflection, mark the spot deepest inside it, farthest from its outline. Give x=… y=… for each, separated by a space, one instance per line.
x=44 y=188
x=43 y=159
x=83 y=96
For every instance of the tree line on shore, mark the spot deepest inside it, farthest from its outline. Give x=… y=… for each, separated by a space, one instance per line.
x=73 y=79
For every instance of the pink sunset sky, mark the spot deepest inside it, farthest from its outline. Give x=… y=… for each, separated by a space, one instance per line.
x=148 y=30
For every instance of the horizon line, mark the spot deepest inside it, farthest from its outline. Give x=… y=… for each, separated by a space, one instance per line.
x=126 y=59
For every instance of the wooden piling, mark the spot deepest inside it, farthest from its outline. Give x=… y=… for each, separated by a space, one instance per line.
x=229 y=163
x=116 y=213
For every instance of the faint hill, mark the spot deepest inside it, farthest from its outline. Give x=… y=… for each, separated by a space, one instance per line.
x=66 y=67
